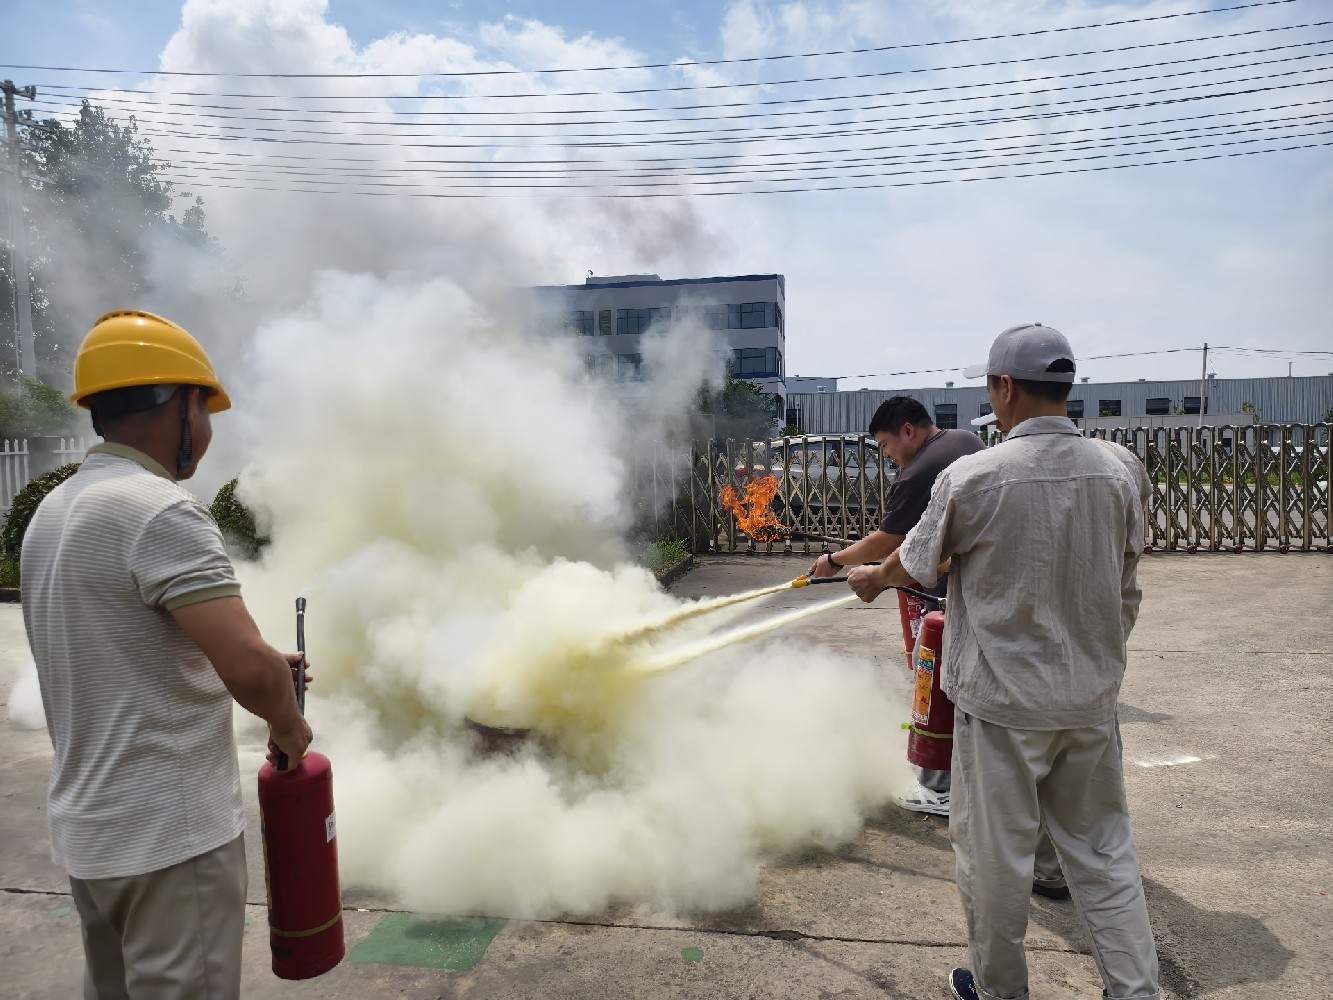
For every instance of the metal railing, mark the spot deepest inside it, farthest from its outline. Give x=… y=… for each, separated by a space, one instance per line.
x=1251 y=487
x=829 y=491
x=20 y=463
x=1259 y=487
x=13 y=470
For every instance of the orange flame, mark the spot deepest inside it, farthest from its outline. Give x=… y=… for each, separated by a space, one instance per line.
x=758 y=521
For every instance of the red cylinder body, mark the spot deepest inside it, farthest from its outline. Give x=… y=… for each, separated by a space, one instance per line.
x=299 y=834
x=930 y=736
x=910 y=610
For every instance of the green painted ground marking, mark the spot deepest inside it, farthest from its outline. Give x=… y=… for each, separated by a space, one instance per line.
x=427 y=942
x=692 y=955
x=57 y=913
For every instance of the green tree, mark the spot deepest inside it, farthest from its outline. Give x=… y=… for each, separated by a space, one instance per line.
x=741 y=410
x=97 y=208
x=33 y=408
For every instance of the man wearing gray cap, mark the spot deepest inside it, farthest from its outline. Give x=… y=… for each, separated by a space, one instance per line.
x=1045 y=532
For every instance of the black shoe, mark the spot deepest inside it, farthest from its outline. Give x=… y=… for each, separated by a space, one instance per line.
x=962 y=985
x=1051 y=891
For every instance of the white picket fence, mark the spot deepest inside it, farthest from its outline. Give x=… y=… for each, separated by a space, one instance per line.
x=14 y=463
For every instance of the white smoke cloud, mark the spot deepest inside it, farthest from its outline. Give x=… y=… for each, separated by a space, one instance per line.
x=25 y=697
x=453 y=493
x=451 y=496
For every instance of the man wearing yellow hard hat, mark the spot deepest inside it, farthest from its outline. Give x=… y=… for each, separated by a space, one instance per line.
x=142 y=641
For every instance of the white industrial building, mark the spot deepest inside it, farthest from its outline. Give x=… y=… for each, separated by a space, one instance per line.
x=614 y=312
x=1142 y=403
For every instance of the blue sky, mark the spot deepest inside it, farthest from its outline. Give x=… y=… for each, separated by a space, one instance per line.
x=1234 y=251
x=97 y=33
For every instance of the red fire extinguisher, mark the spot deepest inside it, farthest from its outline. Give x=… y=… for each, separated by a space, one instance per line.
x=911 y=609
x=930 y=733
x=299 y=834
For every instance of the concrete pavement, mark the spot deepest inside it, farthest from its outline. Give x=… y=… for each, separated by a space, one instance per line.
x=1226 y=712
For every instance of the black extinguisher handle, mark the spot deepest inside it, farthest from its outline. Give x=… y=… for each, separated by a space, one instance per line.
x=300 y=670
x=300 y=648
x=921 y=595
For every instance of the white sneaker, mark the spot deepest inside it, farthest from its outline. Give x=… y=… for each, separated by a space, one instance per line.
x=923 y=800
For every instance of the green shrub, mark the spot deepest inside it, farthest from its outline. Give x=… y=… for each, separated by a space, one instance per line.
x=9 y=572
x=237 y=523
x=663 y=553
x=25 y=505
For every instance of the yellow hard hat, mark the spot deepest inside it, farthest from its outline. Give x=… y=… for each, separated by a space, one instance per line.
x=128 y=348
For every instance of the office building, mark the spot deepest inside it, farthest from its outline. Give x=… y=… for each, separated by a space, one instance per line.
x=614 y=313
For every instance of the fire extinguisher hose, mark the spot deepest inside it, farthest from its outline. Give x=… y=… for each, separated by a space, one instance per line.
x=300 y=670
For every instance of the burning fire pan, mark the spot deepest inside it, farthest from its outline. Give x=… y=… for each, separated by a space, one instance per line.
x=498 y=741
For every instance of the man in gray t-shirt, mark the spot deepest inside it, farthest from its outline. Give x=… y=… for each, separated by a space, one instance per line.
x=909 y=439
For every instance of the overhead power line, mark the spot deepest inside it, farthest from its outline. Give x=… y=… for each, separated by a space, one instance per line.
x=944 y=371
x=666 y=65
x=269 y=156
x=1095 y=357
x=1272 y=350
x=149 y=108
x=102 y=92
x=757 y=133
x=394 y=177
x=957 y=150
x=680 y=191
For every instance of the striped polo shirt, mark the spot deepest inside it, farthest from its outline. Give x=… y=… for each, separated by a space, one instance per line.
x=145 y=772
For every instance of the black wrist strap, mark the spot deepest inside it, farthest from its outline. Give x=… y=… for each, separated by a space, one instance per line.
x=832 y=563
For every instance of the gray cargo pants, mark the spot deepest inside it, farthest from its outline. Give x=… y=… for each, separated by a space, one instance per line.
x=1009 y=785
x=1046 y=870
x=173 y=934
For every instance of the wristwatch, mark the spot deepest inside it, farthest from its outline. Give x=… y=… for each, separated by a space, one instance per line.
x=829 y=556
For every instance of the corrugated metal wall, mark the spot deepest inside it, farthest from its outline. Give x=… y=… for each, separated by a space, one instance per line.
x=1303 y=400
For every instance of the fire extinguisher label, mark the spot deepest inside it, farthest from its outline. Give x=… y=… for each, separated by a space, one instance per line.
x=330 y=828
x=925 y=677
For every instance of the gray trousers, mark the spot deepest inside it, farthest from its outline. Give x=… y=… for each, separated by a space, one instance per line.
x=1046 y=869
x=173 y=934
x=1008 y=786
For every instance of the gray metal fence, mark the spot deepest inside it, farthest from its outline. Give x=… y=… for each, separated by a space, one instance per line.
x=827 y=490
x=1254 y=487
x=1249 y=487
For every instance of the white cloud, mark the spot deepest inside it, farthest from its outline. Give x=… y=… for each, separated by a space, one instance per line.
x=1228 y=251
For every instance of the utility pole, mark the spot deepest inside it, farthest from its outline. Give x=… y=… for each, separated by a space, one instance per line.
x=1203 y=385
x=18 y=230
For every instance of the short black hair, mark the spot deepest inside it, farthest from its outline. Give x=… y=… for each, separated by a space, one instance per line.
x=113 y=403
x=1047 y=392
x=896 y=411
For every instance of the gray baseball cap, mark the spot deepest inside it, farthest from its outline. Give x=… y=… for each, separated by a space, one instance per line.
x=1026 y=352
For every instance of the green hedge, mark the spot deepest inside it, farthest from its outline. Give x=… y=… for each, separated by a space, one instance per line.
x=237 y=523
x=25 y=505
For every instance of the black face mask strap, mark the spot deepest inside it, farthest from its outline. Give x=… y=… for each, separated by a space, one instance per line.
x=187 y=447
